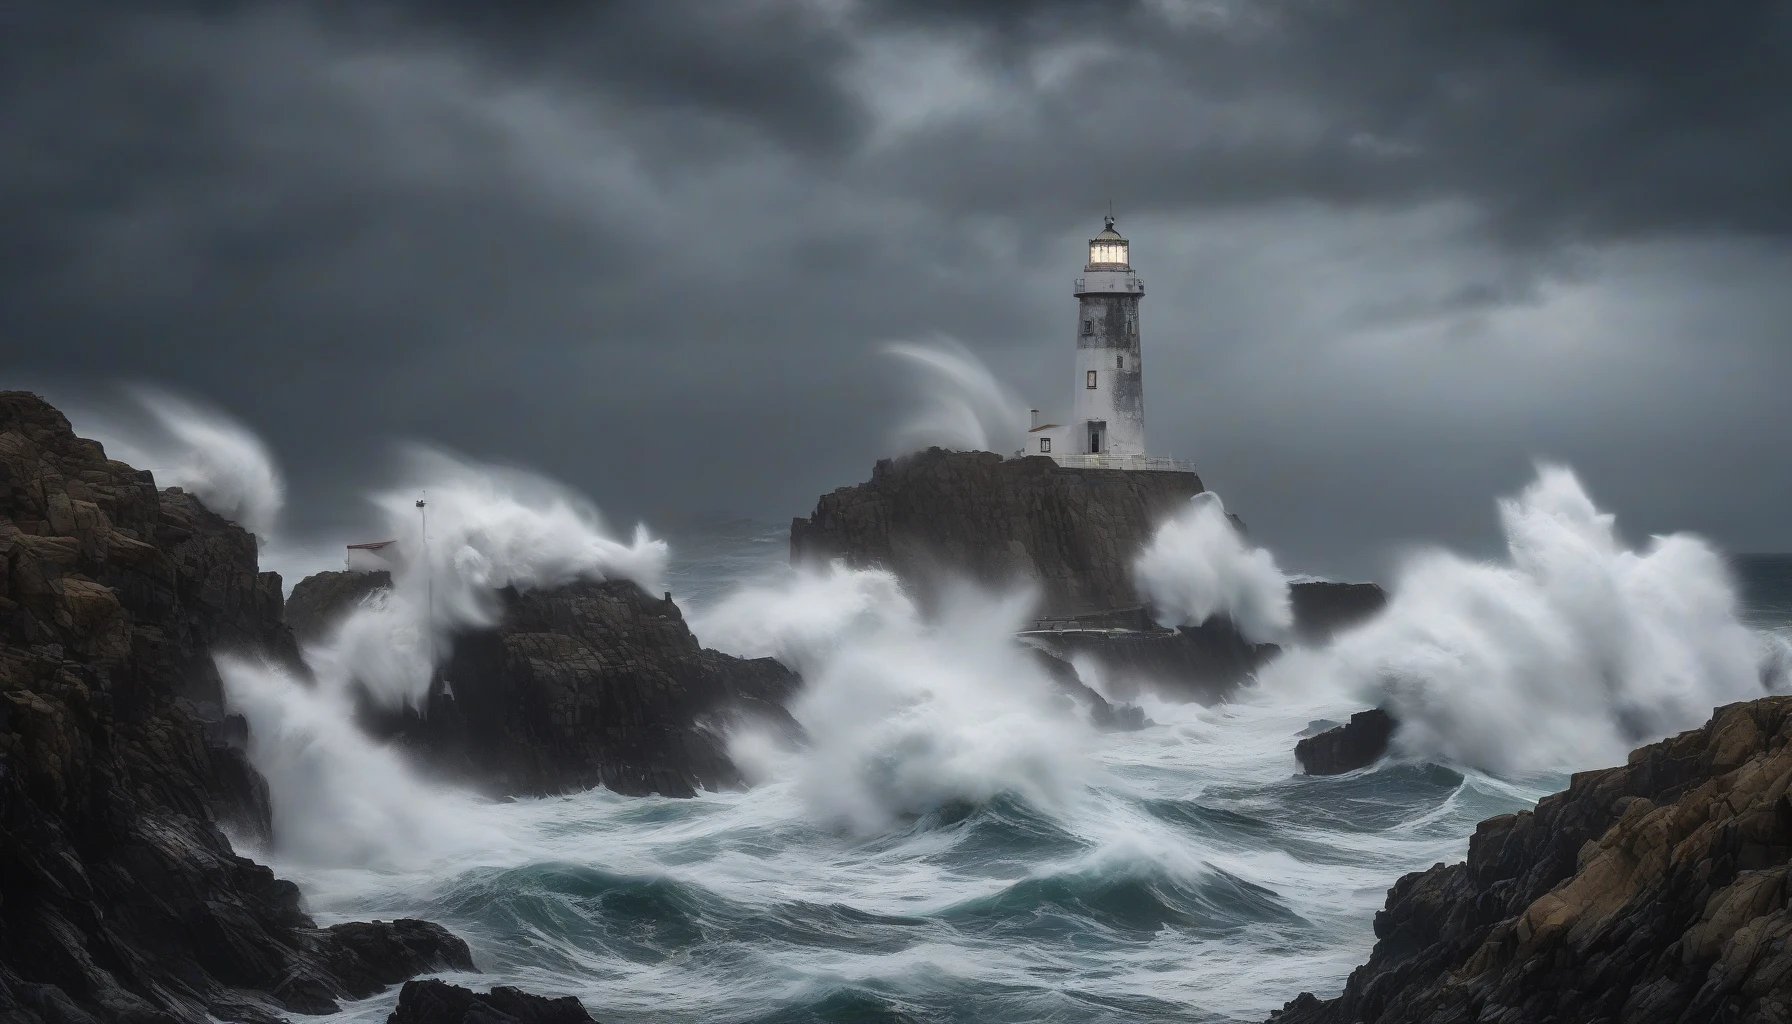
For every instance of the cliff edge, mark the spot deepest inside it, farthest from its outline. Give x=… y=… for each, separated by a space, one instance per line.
x=995 y=521
x=120 y=898
x=1654 y=892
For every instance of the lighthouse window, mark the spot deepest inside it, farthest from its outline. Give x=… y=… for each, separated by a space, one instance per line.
x=1091 y=379
x=1088 y=327
x=1120 y=362
x=1045 y=444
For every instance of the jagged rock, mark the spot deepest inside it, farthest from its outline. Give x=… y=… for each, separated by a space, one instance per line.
x=1204 y=663
x=323 y=599
x=1652 y=892
x=1103 y=714
x=593 y=683
x=974 y=515
x=1323 y=608
x=1345 y=748
x=120 y=899
x=937 y=516
x=437 y=1002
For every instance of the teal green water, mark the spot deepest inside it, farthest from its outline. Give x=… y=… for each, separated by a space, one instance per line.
x=1188 y=875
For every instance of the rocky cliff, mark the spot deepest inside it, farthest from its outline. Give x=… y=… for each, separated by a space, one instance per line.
x=939 y=516
x=975 y=515
x=584 y=685
x=320 y=601
x=1654 y=892
x=120 y=898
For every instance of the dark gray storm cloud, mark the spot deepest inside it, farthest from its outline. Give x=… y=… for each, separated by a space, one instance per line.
x=1395 y=250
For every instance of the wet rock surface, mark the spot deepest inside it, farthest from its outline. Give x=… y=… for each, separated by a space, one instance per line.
x=1358 y=743
x=593 y=683
x=1205 y=663
x=1322 y=609
x=437 y=1002
x=974 y=515
x=120 y=898
x=937 y=516
x=319 y=602
x=1652 y=892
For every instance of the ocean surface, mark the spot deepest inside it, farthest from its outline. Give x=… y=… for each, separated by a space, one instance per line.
x=1184 y=872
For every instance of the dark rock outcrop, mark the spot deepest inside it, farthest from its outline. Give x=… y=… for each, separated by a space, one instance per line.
x=1358 y=744
x=593 y=683
x=1322 y=609
x=1652 y=892
x=1204 y=663
x=120 y=899
x=437 y=1002
x=321 y=600
x=1103 y=714
x=938 y=515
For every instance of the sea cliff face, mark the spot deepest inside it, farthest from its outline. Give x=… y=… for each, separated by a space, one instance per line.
x=939 y=516
x=1653 y=892
x=975 y=515
x=594 y=683
x=120 y=898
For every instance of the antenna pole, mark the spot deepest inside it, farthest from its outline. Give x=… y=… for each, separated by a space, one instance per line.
x=429 y=584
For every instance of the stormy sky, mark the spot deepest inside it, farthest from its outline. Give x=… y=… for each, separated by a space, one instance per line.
x=1394 y=250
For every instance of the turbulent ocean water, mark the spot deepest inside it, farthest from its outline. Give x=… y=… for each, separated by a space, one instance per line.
x=975 y=861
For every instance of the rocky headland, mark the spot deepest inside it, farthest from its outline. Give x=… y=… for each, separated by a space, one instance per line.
x=1652 y=893
x=594 y=683
x=936 y=517
x=121 y=899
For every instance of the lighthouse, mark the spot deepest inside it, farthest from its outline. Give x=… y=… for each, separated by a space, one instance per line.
x=1106 y=429
x=1108 y=397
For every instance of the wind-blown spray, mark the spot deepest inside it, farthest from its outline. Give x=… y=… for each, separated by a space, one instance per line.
x=1198 y=566
x=337 y=796
x=963 y=406
x=1566 y=655
x=202 y=450
x=906 y=715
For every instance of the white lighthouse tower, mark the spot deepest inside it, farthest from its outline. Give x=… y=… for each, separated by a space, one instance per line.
x=1106 y=429
x=1108 y=404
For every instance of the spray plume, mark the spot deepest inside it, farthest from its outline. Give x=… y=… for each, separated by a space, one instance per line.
x=1566 y=655
x=1198 y=566
x=199 y=449
x=963 y=406
x=907 y=713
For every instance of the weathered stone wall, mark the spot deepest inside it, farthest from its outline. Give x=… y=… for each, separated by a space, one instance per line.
x=938 y=515
x=1652 y=892
x=120 y=899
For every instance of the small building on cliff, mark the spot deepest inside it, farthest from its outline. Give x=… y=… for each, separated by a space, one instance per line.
x=1106 y=429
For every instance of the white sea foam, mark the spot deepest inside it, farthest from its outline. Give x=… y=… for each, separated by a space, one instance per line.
x=1198 y=566
x=906 y=713
x=1567 y=654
